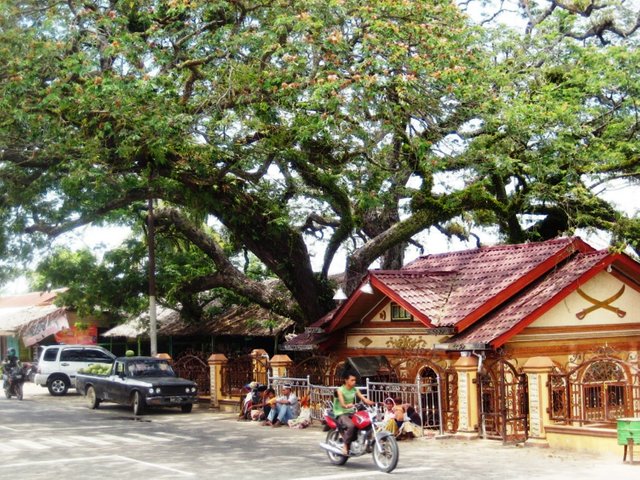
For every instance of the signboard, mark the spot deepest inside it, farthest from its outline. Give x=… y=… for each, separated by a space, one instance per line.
x=41 y=328
x=71 y=336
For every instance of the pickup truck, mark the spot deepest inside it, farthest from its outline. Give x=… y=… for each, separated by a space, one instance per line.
x=138 y=382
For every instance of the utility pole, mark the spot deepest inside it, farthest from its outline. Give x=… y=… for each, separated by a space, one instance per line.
x=151 y=234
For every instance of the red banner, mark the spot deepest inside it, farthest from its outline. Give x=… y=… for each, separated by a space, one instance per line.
x=86 y=336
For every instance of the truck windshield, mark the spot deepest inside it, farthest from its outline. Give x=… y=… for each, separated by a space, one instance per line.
x=151 y=368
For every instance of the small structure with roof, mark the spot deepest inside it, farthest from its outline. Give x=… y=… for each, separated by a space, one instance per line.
x=29 y=319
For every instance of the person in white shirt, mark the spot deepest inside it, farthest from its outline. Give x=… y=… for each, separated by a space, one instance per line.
x=286 y=408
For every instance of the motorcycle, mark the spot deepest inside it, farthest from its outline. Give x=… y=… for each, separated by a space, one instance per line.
x=371 y=438
x=13 y=380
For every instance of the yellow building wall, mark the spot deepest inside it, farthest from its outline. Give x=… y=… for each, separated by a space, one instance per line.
x=601 y=287
x=585 y=441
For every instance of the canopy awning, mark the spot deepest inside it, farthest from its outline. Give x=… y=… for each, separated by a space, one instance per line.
x=36 y=329
x=370 y=367
x=12 y=319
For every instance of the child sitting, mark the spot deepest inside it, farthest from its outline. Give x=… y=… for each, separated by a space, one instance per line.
x=303 y=420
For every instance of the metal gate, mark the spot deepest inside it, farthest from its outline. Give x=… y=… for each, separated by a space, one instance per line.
x=193 y=365
x=503 y=403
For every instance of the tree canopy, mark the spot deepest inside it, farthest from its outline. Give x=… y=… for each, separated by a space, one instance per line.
x=261 y=127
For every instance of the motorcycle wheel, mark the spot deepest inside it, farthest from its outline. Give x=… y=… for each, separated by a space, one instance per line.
x=334 y=438
x=386 y=457
x=7 y=393
x=18 y=391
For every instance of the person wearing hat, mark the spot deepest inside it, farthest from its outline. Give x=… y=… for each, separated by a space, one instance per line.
x=285 y=408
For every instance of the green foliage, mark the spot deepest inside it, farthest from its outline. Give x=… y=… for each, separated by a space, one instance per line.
x=286 y=122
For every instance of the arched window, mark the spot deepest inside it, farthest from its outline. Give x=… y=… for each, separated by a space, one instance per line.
x=604 y=391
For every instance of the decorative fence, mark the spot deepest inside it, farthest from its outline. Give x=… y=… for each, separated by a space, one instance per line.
x=419 y=395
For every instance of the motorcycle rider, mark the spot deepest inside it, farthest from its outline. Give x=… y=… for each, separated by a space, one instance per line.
x=10 y=362
x=344 y=403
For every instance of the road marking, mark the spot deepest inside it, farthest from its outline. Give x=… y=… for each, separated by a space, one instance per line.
x=368 y=474
x=102 y=440
x=60 y=442
x=154 y=465
x=32 y=463
x=175 y=436
x=9 y=449
x=119 y=439
x=149 y=437
x=82 y=441
x=29 y=444
x=24 y=427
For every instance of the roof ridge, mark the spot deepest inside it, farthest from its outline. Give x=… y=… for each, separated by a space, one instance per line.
x=503 y=246
x=414 y=272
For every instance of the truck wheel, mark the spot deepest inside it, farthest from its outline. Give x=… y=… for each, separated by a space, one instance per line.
x=92 y=399
x=58 y=385
x=187 y=408
x=137 y=403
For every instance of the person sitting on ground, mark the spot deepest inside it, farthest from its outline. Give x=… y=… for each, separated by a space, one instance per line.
x=402 y=425
x=389 y=403
x=344 y=406
x=263 y=408
x=286 y=407
x=246 y=402
x=413 y=415
x=304 y=419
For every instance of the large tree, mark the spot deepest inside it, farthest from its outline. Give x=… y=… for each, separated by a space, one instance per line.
x=333 y=120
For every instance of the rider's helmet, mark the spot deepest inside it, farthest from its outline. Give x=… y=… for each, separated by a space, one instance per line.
x=12 y=352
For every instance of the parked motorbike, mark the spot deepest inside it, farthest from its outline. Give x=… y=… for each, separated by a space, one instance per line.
x=13 y=380
x=371 y=438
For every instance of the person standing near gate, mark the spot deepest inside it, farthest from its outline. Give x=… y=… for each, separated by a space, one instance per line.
x=344 y=405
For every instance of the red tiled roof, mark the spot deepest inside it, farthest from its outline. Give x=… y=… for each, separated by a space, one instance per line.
x=541 y=295
x=424 y=293
x=457 y=288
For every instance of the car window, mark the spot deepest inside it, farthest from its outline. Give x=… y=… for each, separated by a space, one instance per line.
x=71 y=355
x=150 y=368
x=97 y=356
x=50 y=354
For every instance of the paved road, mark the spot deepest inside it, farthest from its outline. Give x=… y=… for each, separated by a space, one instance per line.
x=60 y=438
